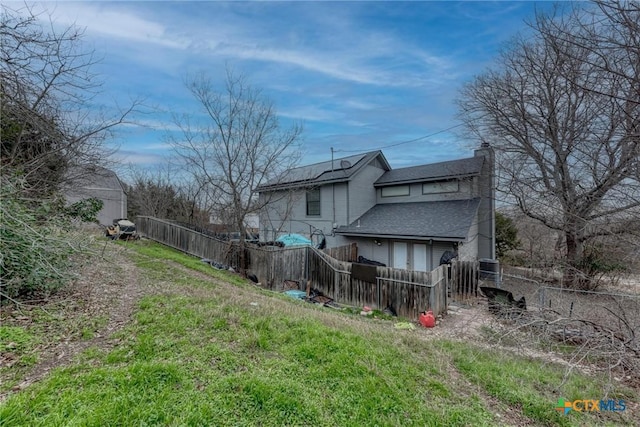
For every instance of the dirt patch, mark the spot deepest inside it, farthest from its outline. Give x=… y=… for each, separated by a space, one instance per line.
x=85 y=314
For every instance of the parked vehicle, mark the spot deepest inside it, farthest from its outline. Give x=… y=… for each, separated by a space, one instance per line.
x=122 y=229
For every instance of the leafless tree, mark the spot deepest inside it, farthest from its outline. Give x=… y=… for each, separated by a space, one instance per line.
x=163 y=192
x=565 y=127
x=238 y=146
x=47 y=85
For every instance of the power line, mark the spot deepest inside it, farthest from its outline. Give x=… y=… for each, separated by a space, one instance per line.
x=403 y=142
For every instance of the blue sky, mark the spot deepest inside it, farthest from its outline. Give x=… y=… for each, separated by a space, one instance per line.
x=357 y=75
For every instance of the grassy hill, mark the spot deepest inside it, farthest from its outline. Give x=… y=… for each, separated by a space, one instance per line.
x=200 y=347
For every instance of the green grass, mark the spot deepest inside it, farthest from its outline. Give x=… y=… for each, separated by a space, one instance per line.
x=202 y=353
x=41 y=326
x=532 y=384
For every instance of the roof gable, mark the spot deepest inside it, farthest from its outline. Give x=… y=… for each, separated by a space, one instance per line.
x=93 y=176
x=338 y=170
x=432 y=172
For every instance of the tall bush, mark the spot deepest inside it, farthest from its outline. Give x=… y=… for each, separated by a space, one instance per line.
x=37 y=242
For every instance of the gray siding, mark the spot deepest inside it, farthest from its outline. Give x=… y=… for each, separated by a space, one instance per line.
x=437 y=249
x=468 y=250
x=465 y=191
x=345 y=202
x=114 y=202
x=362 y=194
x=340 y=203
x=286 y=212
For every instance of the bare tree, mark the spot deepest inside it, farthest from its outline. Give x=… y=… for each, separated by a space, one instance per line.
x=565 y=129
x=237 y=147
x=46 y=88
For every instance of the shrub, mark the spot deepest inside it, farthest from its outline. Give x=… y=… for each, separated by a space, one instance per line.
x=35 y=244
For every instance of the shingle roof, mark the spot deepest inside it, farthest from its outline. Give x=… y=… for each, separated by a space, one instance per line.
x=92 y=176
x=339 y=170
x=421 y=220
x=432 y=172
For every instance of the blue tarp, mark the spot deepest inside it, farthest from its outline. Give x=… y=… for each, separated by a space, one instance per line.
x=296 y=294
x=293 y=240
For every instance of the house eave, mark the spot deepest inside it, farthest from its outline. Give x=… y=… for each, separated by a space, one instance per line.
x=300 y=184
x=430 y=179
x=401 y=237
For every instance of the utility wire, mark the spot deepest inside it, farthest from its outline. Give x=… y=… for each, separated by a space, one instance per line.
x=403 y=142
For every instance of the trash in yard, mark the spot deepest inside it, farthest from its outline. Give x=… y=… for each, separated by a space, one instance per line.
x=290 y=284
x=294 y=293
x=320 y=299
x=503 y=302
x=255 y=304
x=217 y=265
x=334 y=305
x=390 y=311
x=317 y=297
x=427 y=319
x=366 y=313
x=293 y=240
x=363 y=260
x=366 y=308
x=404 y=325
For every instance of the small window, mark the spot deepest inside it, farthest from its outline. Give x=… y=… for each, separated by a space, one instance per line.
x=440 y=187
x=313 y=202
x=396 y=190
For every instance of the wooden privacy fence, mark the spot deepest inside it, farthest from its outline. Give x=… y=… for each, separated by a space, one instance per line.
x=343 y=253
x=407 y=292
x=272 y=266
x=464 y=279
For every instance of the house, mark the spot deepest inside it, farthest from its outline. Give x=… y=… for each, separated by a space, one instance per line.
x=405 y=218
x=100 y=183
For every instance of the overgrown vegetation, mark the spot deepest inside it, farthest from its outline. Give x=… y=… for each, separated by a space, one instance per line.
x=37 y=240
x=506 y=235
x=205 y=352
x=50 y=136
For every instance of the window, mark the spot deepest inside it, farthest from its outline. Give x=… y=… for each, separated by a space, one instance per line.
x=440 y=187
x=396 y=190
x=313 y=202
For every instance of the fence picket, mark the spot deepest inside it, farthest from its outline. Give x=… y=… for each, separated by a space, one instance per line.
x=408 y=292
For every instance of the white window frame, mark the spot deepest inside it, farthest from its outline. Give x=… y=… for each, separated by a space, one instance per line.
x=395 y=191
x=314 y=190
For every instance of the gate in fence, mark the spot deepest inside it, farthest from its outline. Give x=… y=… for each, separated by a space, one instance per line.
x=465 y=279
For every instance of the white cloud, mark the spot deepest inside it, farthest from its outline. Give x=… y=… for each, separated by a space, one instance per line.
x=347 y=55
x=111 y=22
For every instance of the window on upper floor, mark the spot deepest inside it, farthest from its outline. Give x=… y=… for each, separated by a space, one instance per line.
x=440 y=187
x=395 y=191
x=313 y=202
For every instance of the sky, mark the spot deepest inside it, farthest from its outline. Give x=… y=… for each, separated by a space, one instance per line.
x=358 y=76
